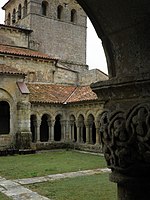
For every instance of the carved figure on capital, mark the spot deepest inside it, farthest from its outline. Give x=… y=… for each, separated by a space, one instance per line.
x=125 y=137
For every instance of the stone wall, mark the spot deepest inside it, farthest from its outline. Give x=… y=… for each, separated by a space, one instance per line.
x=90 y=76
x=13 y=36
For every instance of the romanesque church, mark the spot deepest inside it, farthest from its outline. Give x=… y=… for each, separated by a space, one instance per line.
x=45 y=96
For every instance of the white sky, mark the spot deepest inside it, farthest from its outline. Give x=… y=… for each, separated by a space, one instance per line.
x=95 y=53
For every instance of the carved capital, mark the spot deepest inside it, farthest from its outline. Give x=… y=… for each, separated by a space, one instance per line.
x=126 y=138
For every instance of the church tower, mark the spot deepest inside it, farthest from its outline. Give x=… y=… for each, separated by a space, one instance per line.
x=58 y=27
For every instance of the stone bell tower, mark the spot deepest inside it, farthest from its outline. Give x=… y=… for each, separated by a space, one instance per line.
x=58 y=27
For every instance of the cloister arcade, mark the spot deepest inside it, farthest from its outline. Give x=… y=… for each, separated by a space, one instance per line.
x=74 y=128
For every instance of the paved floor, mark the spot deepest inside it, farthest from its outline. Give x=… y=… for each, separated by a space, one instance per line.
x=16 y=191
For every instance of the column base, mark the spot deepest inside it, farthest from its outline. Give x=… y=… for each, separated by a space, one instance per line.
x=131 y=188
x=23 y=140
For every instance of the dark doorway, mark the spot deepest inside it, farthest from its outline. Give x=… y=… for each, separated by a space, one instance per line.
x=57 y=129
x=75 y=132
x=44 y=129
x=4 y=117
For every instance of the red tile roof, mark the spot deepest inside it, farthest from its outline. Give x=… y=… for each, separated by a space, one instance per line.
x=4 y=69
x=48 y=93
x=20 y=51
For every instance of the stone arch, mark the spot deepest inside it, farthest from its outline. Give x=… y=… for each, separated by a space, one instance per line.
x=59 y=12
x=44 y=128
x=19 y=11
x=82 y=129
x=58 y=128
x=4 y=117
x=44 y=8
x=92 y=128
x=73 y=17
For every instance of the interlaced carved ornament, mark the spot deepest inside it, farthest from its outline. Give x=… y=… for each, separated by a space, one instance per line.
x=126 y=137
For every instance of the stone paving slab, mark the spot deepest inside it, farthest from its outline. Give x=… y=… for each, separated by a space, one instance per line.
x=15 y=190
x=18 y=192
x=52 y=177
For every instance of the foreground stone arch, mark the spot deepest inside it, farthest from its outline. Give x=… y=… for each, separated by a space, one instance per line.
x=123 y=27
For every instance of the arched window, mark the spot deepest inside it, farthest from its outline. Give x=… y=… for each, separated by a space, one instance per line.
x=44 y=8
x=73 y=15
x=19 y=12
x=33 y=125
x=25 y=8
x=14 y=16
x=4 y=117
x=8 y=19
x=59 y=12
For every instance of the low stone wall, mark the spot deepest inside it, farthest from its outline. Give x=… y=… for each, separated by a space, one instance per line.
x=5 y=141
x=68 y=145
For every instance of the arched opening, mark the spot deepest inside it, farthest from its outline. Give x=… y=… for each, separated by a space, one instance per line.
x=33 y=126
x=59 y=12
x=44 y=129
x=73 y=15
x=8 y=19
x=25 y=10
x=19 y=11
x=57 y=128
x=4 y=117
x=44 y=8
x=73 y=129
x=75 y=132
x=14 y=16
x=92 y=129
x=82 y=130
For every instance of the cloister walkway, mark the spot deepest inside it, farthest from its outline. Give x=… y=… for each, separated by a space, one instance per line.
x=16 y=191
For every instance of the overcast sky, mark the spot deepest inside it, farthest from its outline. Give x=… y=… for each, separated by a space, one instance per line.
x=95 y=53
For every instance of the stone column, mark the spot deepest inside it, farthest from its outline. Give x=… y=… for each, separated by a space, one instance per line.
x=97 y=126
x=67 y=128
x=78 y=132
x=52 y=130
x=38 y=130
x=23 y=136
x=87 y=133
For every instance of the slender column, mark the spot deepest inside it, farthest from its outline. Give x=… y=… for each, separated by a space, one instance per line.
x=97 y=126
x=67 y=126
x=49 y=130
x=78 y=133
x=87 y=133
x=38 y=130
x=52 y=130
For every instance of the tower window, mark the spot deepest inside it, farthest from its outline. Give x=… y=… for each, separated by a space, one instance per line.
x=59 y=12
x=8 y=19
x=19 y=11
x=14 y=16
x=44 y=8
x=73 y=16
x=25 y=8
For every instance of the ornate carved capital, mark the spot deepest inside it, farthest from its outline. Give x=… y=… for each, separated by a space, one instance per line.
x=126 y=138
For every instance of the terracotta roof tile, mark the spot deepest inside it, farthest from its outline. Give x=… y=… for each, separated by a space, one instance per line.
x=82 y=93
x=4 y=69
x=48 y=93
x=20 y=51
